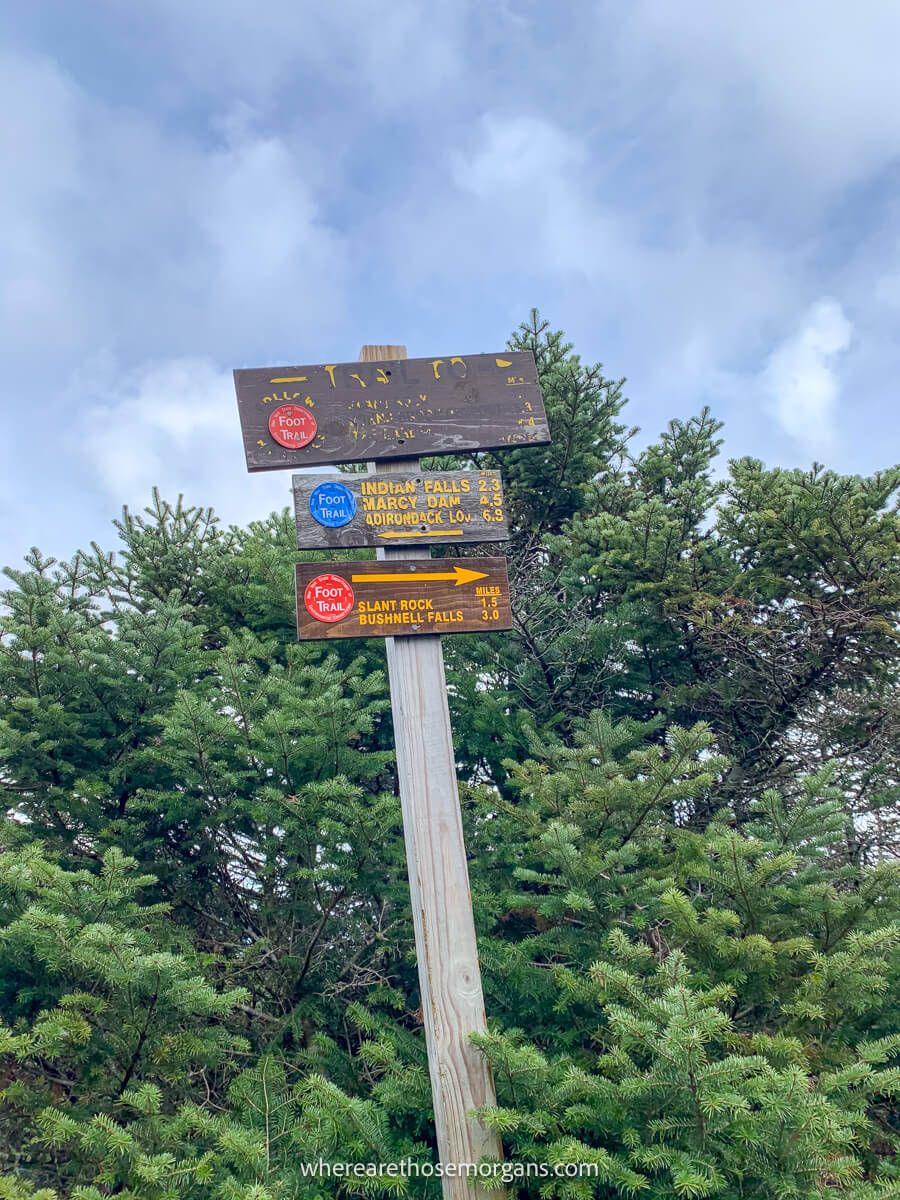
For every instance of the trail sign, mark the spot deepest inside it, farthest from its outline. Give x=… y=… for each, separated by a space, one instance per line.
x=409 y=508
x=395 y=408
x=383 y=409
x=395 y=598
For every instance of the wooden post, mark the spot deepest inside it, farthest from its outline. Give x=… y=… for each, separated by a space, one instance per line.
x=447 y=954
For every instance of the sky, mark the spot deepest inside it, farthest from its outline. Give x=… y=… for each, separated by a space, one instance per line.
x=704 y=196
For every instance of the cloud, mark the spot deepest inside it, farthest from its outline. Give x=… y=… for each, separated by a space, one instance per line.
x=535 y=168
x=126 y=242
x=517 y=151
x=268 y=260
x=812 y=84
x=392 y=54
x=190 y=188
x=39 y=150
x=527 y=213
x=173 y=424
x=120 y=234
x=887 y=291
x=801 y=375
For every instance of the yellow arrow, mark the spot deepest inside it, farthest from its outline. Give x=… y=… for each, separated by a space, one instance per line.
x=457 y=576
x=416 y=533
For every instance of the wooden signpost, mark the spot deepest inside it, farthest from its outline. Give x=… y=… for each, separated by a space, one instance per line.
x=412 y=508
x=412 y=596
x=391 y=408
x=387 y=409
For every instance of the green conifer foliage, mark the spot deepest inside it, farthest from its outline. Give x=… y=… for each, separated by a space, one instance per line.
x=712 y=1014
x=101 y=1003
x=680 y=780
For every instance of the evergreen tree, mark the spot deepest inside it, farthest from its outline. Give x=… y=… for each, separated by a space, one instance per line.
x=680 y=784
x=701 y=1014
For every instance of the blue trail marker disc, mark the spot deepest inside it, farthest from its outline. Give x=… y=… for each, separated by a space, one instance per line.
x=332 y=504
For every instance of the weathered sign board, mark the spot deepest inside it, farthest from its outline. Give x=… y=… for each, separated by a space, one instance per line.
x=409 y=508
x=401 y=597
x=396 y=408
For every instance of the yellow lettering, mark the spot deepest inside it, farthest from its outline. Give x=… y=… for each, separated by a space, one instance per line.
x=330 y=370
x=445 y=616
x=377 y=606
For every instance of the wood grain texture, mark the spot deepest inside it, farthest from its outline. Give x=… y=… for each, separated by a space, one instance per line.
x=446 y=949
x=412 y=508
x=393 y=408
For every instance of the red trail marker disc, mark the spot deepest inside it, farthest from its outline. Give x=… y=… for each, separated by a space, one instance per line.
x=292 y=426
x=328 y=598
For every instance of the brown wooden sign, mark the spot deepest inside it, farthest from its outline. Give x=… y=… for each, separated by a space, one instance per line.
x=409 y=508
x=398 y=408
x=401 y=597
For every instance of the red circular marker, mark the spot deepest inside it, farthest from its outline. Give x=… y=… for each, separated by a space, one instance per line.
x=292 y=426
x=328 y=598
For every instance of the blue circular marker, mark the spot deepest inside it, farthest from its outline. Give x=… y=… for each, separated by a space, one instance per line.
x=332 y=504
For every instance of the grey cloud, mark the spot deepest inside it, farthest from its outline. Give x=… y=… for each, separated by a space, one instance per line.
x=194 y=186
x=802 y=379
x=812 y=85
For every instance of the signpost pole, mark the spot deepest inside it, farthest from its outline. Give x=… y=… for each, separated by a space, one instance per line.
x=447 y=954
